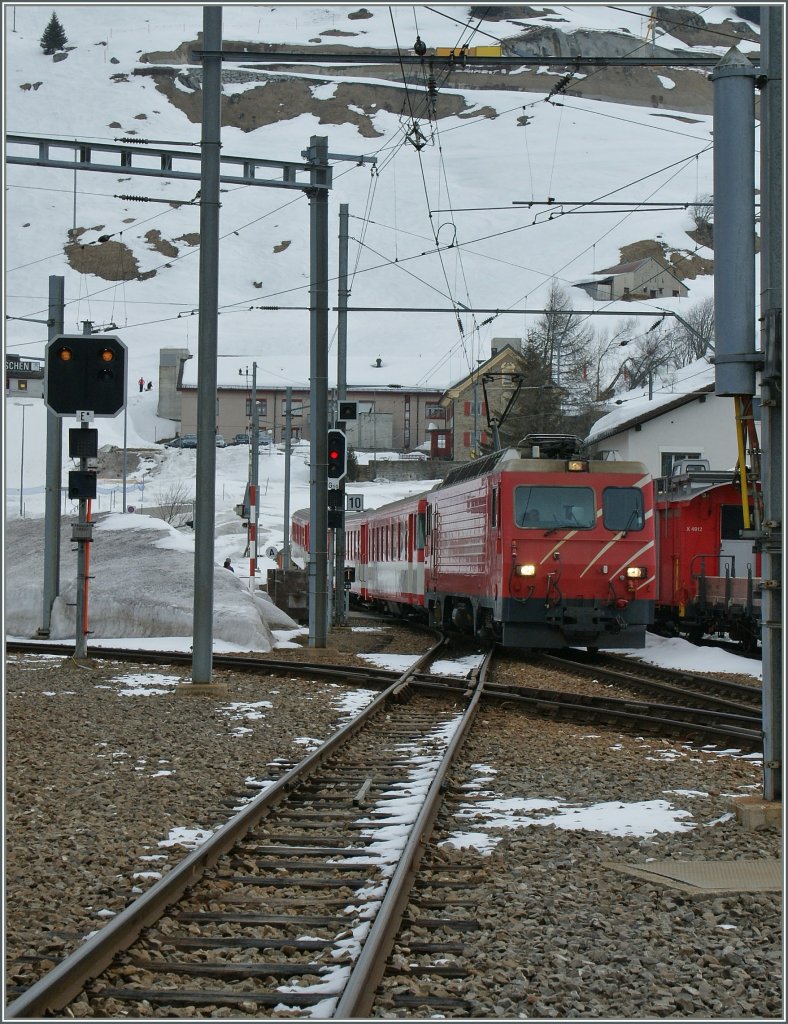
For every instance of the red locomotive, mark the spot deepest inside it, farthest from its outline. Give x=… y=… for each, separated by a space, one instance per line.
x=708 y=574
x=534 y=547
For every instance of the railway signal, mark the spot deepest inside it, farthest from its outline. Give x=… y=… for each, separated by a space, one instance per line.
x=337 y=454
x=85 y=373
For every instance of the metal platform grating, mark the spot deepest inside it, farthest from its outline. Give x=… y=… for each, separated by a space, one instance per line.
x=709 y=876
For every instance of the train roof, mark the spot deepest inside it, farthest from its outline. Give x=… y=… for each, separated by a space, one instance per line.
x=690 y=485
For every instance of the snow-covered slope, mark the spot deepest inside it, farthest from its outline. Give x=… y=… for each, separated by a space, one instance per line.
x=456 y=194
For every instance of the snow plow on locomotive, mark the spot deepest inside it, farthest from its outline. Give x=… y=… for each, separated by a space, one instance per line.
x=708 y=571
x=534 y=547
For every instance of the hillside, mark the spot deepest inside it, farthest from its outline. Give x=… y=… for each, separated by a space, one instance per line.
x=452 y=217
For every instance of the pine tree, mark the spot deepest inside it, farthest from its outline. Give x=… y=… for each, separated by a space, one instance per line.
x=54 y=37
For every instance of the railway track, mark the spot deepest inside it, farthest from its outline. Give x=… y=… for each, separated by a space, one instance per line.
x=688 y=687
x=692 y=707
x=296 y=901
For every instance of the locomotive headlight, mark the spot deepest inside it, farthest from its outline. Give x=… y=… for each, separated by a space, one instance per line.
x=577 y=465
x=635 y=572
x=525 y=570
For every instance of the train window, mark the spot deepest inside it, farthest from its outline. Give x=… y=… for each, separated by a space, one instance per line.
x=732 y=521
x=494 y=507
x=421 y=531
x=554 y=508
x=622 y=508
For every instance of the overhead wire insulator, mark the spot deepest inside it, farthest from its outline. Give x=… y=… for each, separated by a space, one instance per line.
x=415 y=137
x=419 y=47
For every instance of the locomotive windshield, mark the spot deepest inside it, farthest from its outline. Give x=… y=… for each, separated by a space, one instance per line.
x=622 y=508
x=554 y=508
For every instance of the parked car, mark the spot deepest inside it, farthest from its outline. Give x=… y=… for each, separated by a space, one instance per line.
x=185 y=441
x=241 y=439
x=220 y=441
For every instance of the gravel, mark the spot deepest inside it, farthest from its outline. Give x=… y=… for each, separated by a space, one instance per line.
x=96 y=780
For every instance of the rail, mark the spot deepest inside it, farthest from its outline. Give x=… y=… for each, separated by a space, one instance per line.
x=64 y=982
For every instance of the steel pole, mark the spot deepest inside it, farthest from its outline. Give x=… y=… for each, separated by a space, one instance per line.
x=255 y=472
x=734 y=226
x=772 y=214
x=54 y=469
x=288 y=449
x=317 y=156
x=343 y=293
x=205 y=506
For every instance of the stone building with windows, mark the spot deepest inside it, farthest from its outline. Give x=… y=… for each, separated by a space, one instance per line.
x=391 y=417
x=648 y=278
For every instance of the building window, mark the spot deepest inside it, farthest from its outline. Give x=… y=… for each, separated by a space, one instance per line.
x=21 y=385
x=435 y=412
x=262 y=407
x=441 y=441
x=296 y=407
x=669 y=459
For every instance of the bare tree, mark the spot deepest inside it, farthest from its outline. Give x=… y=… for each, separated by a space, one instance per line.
x=702 y=212
x=172 y=501
x=693 y=336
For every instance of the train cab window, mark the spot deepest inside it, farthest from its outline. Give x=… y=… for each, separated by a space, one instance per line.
x=732 y=521
x=622 y=508
x=421 y=531
x=554 y=508
x=494 y=507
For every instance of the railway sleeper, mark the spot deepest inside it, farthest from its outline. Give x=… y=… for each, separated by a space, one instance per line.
x=429 y=1002
x=454 y=924
x=295 y=883
x=168 y=997
x=298 y=865
x=222 y=969
x=239 y=942
x=255 y=920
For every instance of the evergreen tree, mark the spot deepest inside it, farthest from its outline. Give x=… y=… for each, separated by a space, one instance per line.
x=561 y=343
x=54 y=37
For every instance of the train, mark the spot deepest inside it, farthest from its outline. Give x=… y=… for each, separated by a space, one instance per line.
x=708 y=572
x=533 y=547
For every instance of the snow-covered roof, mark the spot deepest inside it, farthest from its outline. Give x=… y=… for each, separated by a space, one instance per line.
x=672 y=389
x=229 y=379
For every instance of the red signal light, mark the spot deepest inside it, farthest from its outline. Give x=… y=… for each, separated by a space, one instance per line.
x=337 y=454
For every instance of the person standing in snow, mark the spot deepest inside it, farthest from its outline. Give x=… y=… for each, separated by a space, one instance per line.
x=141 y=383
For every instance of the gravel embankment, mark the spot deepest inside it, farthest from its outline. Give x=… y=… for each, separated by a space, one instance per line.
x=96 y=780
